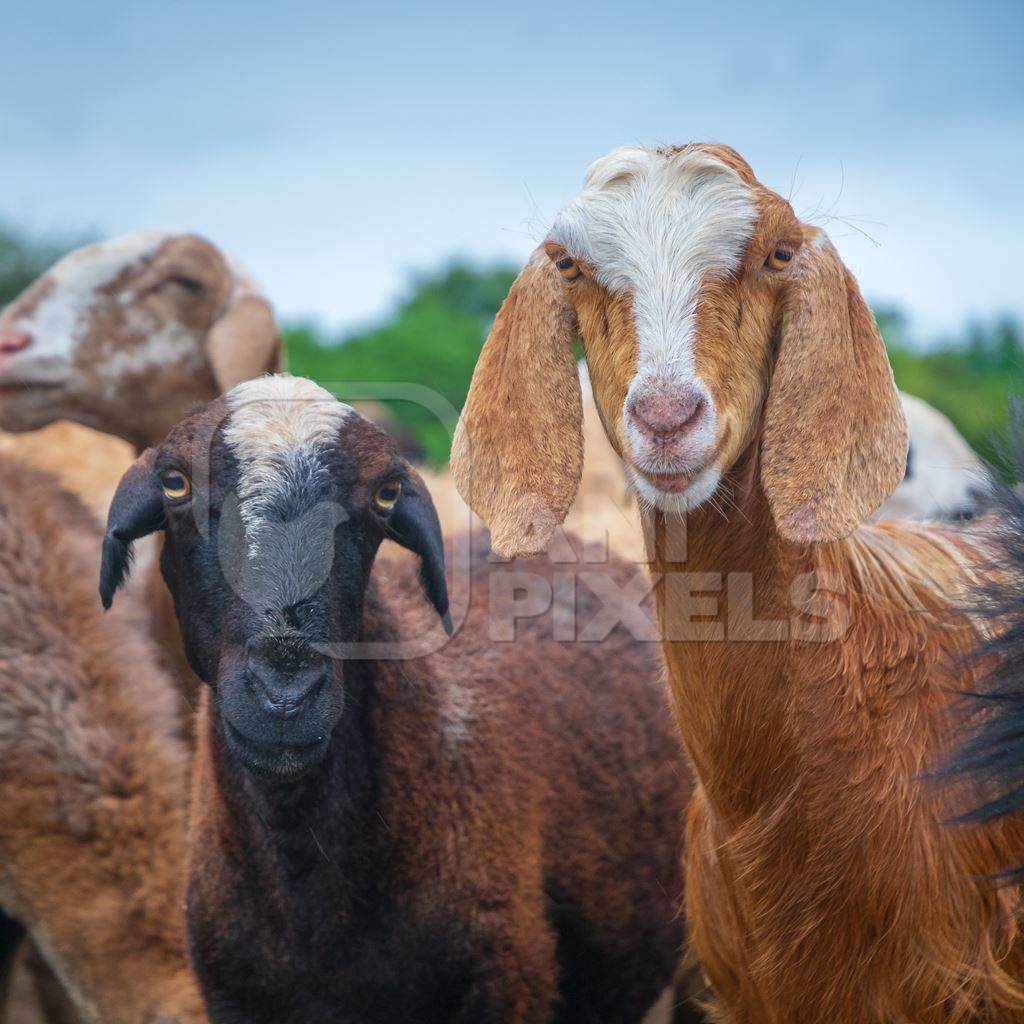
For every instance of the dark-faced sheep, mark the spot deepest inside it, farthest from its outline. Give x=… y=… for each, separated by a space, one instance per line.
x=388 y=827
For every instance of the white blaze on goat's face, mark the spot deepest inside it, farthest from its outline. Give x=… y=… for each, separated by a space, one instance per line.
x=280 y=431
x=657 y=226
x=659 y=237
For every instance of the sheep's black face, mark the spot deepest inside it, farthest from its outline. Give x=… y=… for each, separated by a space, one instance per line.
x=267 y=606
x=275 y=502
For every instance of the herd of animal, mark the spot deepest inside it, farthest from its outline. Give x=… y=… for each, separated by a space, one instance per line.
x=709 y=710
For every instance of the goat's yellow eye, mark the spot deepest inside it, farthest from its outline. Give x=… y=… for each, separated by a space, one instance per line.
x=779 y=258
x=567 y=268
x=176 y=485
x=387 y=495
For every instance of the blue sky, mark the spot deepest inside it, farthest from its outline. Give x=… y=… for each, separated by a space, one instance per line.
x=336 y=148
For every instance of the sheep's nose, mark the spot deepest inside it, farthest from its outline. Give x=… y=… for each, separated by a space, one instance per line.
x=14 y=341
x=667 y=415
x=283 y=691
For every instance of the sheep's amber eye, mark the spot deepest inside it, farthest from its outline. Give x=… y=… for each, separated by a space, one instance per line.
x=779 y=258
x=387 y=496
x=567 y=268
x=176 y=485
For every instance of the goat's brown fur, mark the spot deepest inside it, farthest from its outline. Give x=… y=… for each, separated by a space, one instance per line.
x=534 y=308
x=825 y=880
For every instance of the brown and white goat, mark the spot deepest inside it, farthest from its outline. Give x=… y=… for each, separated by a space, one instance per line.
x=126 y=336
x=812 y=661
x=389 y=827
x=94 y=778
x=123 y=337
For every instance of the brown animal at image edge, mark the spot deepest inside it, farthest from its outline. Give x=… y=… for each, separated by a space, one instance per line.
x=125 y=337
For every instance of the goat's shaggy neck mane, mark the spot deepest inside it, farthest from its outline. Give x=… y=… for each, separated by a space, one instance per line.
x=815 y=811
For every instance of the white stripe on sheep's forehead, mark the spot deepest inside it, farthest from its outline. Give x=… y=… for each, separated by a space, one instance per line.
x=278 y=429
x=658 y=224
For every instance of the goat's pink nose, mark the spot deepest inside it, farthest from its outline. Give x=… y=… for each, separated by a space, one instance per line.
x=14 y=341
x=665 y=415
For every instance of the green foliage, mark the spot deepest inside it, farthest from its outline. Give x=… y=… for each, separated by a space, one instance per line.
x=433 y=340
x=23 y=259
x=970 y=379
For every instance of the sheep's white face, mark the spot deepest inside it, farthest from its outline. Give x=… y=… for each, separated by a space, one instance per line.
x=54 y=316
x=945 y=479
x=114 y=335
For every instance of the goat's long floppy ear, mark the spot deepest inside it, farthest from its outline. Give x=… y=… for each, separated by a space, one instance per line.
x=136 y=510
x=244 y=343
x=518 y=449
x=414 y=524
x=835 y=441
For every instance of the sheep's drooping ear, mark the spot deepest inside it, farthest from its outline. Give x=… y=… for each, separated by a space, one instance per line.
x=414 y=524
x=518 y=449
x=136 y=511
x=835 y=441
x=244 y=343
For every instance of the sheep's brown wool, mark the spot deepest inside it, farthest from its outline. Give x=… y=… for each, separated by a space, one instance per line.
x=93 y=781
x=813 y=664
x=481 y=831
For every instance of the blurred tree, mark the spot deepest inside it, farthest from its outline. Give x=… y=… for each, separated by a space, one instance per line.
x=468 y=289
x=892 y=322
x=433 y=339
x=1010 y=344
x=970 y=379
